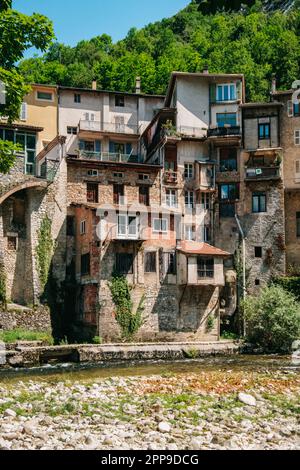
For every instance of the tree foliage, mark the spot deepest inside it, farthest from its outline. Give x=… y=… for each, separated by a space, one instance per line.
x=18 y=32
x=248 y=40
x=272 y=319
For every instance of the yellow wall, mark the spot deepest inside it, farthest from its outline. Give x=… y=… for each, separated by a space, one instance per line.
x=42 y=114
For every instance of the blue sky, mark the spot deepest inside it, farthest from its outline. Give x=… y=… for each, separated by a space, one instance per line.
x=83 y=19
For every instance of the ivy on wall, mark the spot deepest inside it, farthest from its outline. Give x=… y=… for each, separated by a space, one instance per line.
x=44 y=250
x=129 y=321
x=3 y=295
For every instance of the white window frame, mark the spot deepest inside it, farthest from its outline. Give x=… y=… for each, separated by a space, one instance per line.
x=144 y=177
x=297 y=171
x=190 y=195
x=127 y=232
x=93 y=173
x=171 y=198
x=205 y=201
x=83 y=227
x=23 y=111
x=223 y=85
x=45 y=99
x=89 y=117
x=297 y=137
x=72 y=128
x=189 y=171
x=160 y=225
x=190 y=232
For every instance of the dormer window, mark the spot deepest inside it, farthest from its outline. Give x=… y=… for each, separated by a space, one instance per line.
x=226 y=92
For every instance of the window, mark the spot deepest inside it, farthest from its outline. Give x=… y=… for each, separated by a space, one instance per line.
x=23 y=112
x=12 y=243
x=258 y=252
x=205 y=267
x=169 y=263
x=85 y=264
x=118 y=175
x=82 y=227
x=297 y=137
x=44 y=96
x=77 y=98
x=120 y=101
x=150 y=262
x=144 y=197
x=296 y=109
x=92 y=173
x=257 y=282
x=298 y=224
x=188 y=171
x=120 y=123
x=293 y=109
x=144 y=177
x=160 y=225
x=70 y=226
x=27 y=142
x=228 y=159
x=264 y=131
x=190 y=233
x=229 y=192
x=189 y=199
x=205 y=201
x=206 y=233
x=226 y=92
x=72 y=130
x=227 y=210
x=124 y=263
x=89 y=116
x=127 y=226
x=259 y=202
x=92 y=192
x=118 y=194
x=226 y=119
x=171 y=198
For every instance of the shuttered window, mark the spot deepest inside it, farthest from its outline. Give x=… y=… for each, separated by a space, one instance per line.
x=124 y=263
x=23 y=112
x=85 y=264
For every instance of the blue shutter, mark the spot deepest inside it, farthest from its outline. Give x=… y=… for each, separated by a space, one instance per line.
x=111 y=147
x=98 y=146
x=128 y=149
x=81 y=145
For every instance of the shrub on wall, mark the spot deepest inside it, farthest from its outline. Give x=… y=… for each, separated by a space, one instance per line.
x=272 y=319
x=44 y=250
x=129 y=321
x=290 y=284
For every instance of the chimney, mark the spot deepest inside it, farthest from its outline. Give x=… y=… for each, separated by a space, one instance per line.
x=94 y=84
x=206 y=70
x=138 y=85
x=273 y=89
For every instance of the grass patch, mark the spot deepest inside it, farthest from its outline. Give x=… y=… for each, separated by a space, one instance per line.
x=11 y=336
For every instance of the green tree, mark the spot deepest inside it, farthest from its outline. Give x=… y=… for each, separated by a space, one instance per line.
x=18 y=33
x=272 y=319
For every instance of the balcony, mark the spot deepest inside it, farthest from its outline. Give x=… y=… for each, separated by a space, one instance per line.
x=224 y=132
x=108 y=127
x=108 y=157
x=263 y=173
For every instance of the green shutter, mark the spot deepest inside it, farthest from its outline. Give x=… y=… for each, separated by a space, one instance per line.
x=212 y=92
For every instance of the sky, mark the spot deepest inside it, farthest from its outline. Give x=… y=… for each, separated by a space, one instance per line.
x=75 y=20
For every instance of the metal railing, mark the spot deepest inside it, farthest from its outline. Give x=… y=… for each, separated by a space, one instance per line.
x=108 y=157
x=267 y=172
x=224 y=131
x=113 y=127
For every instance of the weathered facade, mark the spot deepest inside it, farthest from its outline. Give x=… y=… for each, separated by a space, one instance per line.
x=161 y=190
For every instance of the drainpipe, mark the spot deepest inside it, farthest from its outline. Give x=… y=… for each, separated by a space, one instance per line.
x=244 y=266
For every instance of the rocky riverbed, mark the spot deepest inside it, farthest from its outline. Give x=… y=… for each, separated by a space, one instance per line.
x=209 y=409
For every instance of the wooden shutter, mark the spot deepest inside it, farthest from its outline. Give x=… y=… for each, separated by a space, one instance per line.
x=23 y=113
x=212 y=92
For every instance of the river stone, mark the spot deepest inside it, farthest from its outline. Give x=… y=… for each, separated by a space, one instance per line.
x=247 y=399
x=164 y=427
x=10 y=413
x=296 y=345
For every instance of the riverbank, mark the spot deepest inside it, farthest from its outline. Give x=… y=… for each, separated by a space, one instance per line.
x=223 y=406
x=29 y=354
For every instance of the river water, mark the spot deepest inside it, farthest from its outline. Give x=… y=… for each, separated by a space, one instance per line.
x=95 y=371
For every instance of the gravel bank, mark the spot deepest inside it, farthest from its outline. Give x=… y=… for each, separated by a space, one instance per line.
x=205 y=410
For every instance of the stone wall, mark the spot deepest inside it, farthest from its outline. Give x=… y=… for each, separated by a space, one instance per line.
x=37 y=319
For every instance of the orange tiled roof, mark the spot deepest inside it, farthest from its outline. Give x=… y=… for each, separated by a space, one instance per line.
x=194 y=248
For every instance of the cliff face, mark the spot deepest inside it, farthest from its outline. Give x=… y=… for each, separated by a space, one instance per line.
x=208 y=7
x=283 y=5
